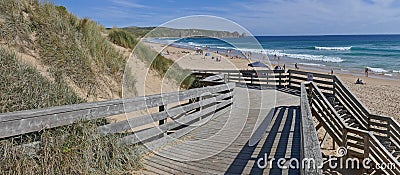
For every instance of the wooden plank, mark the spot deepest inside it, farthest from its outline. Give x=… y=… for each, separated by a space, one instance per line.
x=356 y=113
x=348 y=101
x=309 y=139
x=150 y=118
x=327 y=76
x=22 y=122
x=340 y=84
x=147 y=134
x=315 y=80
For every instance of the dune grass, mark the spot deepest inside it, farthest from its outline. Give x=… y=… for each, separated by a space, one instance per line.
x=22 y=87
x=73 y=149
x=163 y=66
x=122 y=38
x=75 y=48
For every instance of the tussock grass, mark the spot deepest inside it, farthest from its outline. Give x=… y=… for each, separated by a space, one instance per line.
x=73 y=149
x=122 y=38
x=164 y=66
x=75 y=48
x=22 y=87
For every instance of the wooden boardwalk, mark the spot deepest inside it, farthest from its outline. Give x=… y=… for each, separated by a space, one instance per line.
x=233 y=142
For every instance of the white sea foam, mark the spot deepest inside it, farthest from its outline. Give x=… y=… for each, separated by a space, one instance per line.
x=280 y=53
x=316 y=58
x=390 y=75
x=396 y=71
x=377 y=70
x=332 y=48
x=312 y=64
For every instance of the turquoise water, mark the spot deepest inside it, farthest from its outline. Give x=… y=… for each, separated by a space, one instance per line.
x=381 y=53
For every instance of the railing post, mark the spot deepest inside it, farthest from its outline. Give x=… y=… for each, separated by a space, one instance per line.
x=334 y=85
x=369 y=122
x=226 y=78
x=163 y=121
x=161 y=109
x=388 y=128
x=280 y=79
x=344 y=137
x=289 y=78
x=366 y=145
x=251 y=81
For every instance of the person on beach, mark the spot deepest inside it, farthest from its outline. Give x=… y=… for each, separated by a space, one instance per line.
x=284 y=66
x=295 y=66
x=366 y=71
x=358 y=81
x=331 y=71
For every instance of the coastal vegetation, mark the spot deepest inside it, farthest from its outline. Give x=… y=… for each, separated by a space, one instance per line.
x=49 y=57
x=73 y=149
x=163 y=66
x=67 y=48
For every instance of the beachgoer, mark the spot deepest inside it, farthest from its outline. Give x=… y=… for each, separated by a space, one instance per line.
x=331 y=71
x=366 y=71
x=358 y=81
x=284 y=67
x=295 y=66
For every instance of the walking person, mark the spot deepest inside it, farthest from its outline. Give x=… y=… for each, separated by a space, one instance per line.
x=366 y=71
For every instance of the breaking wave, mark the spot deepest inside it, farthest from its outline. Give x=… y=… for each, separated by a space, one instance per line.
x=332 y=48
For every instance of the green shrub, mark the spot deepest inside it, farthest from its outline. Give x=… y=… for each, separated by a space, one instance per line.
x=122 y=38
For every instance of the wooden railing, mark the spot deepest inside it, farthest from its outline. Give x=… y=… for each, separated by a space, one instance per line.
x=249 y=77
x=195 y=105
x=358 y=141
x=379 y=125
x=310 y=148
x=278 y=78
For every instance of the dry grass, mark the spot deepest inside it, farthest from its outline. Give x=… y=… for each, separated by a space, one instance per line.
x=22 y=87
x=75 y=48
x=164 y=66
x=74 y=149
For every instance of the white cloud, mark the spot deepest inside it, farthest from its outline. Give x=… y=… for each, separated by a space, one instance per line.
x=128 y=4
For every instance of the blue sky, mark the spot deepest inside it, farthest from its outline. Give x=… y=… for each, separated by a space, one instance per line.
x=260 y=17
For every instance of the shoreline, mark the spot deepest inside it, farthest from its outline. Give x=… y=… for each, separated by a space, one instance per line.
x=285 y=59
x=380 y=95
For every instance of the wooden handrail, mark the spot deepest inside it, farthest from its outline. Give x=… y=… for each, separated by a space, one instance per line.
x=310 y=148
x=22 y=122
x=372 y=148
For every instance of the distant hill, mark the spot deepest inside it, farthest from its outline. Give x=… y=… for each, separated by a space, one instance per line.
x=171 y=32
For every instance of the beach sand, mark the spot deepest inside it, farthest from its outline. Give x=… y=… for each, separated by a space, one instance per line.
x=381 y=96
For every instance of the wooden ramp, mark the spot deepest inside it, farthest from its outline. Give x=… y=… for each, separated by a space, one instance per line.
x=233 y=142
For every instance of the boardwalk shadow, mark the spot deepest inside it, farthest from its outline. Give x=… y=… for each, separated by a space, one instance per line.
x=278 y=141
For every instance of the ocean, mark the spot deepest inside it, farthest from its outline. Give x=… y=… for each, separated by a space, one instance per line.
x=380 y=53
